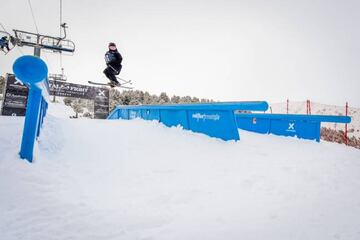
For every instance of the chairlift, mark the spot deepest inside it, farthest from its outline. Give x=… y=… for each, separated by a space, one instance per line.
x=54 y=44
x=57 y=44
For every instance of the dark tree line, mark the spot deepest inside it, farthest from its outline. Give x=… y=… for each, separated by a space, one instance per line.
x=137 y=97
x=131 y=97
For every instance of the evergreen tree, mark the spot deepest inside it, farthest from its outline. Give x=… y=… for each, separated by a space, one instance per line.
x=2 y=84
x=147 y=98
x=154 y=99
x=163 y=98
x=126 y=98
x=115 y=98
x=68 y=101
x=175 y=99
x=186 y=99
x=195 y=100
x=78 y=106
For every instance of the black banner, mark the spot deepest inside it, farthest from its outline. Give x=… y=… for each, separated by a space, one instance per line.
x=99 y=95
x=15 y=98
x=16 y=95
x=101 y=103
x=65 y=89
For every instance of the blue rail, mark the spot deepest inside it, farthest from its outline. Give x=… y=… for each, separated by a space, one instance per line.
x=33 y=72
x=301 y=126
x=213 y=119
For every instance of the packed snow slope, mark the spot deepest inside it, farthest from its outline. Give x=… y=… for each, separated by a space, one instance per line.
x=108 y=180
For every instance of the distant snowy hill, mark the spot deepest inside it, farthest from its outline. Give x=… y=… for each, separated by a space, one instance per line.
x=323 y=109
x=110 y=180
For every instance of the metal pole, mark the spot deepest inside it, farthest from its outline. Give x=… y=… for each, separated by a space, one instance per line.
x=307 y=107
x=54 y=90
x=346 y=126
x=287 y=106
x=37 y=49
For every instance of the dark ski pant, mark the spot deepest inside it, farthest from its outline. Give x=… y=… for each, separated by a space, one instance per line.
x=111 y=73
x=4 y=45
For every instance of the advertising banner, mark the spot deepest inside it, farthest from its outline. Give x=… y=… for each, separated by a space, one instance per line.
x=16 y=94
x=66 y=89
x=101 y=103
x=15 y=97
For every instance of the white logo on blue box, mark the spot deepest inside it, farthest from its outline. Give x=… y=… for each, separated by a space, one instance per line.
x=198 y=116
x=132 y=114
x=291 y=127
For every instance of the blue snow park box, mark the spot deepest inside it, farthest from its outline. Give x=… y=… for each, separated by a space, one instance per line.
x=213 y=119
x=301 y=126
x=214 y=123
x=153 y=114
x=174 y=117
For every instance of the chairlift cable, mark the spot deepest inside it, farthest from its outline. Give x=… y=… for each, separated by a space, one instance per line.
x=2 y=26
x=33 y=16
x=60 y=17
x=61 y=63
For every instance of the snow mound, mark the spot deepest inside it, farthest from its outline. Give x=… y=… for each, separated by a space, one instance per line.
x=100 y=179
x=60 y=110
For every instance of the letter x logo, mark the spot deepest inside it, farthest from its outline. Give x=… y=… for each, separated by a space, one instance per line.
x=101 y=93
x=18 y=82
x=291 y=126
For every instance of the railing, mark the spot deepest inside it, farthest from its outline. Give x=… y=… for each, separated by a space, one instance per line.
x=301 y=126
x=213 y=119
x=33 y=72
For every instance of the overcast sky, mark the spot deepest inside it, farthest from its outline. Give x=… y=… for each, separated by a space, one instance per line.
x=219 y=49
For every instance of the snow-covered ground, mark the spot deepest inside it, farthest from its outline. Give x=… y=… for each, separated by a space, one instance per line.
x=105 y=180
x=60 y=110
x=323 y=109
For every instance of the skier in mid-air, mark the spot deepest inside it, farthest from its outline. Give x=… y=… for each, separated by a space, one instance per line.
x=113 y=61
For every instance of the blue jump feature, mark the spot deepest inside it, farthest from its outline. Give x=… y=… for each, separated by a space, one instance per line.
x=213 y=119
x=301 y=126
x=33 y=72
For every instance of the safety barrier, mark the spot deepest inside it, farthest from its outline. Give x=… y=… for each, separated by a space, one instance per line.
x=301 y=126
x=213 y=119
x=33 y=72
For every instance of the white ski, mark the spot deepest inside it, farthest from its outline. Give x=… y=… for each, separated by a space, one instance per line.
x=110 y=85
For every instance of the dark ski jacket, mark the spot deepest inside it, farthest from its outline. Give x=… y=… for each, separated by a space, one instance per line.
x=114 y=59
x=4 y=42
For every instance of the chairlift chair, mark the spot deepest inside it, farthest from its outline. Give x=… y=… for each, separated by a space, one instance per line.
x=54 y=44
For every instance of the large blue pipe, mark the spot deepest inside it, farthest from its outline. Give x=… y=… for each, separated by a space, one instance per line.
x=33 y=72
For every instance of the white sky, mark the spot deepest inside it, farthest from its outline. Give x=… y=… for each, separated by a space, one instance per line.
x=225 y=50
